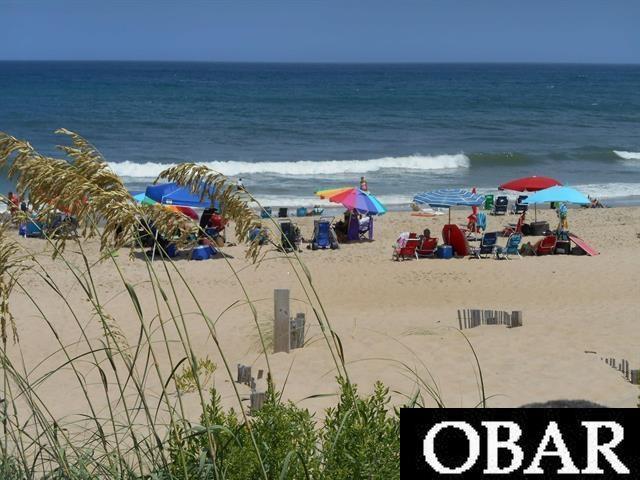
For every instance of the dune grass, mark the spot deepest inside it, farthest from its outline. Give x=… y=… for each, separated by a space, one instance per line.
x=135 y=423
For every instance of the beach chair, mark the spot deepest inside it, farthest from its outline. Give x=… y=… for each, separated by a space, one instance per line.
x=289 y=236
x=488 y=202
x=323 y=234
x=488 y=245
x=546 y=246
x=517 y=228
x=283 y=212
x=511 y=248
x=520 y=207
x=405 y=247
x=301 y=212
x=265 y=212
x=365 y=228
x=426 y=247
x=500 y=206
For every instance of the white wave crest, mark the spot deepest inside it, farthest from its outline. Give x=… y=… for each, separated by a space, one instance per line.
x=305 y=167
x=627 y=155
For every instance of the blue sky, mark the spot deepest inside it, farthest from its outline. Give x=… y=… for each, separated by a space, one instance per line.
x=323 y=30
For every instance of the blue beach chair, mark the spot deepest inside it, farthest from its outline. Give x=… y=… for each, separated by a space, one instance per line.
x=519 y=207
x=511 y=248
x=487 y=245
x=323 y=235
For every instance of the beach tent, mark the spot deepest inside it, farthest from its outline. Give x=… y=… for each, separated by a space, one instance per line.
x=174 y=194
x=449 y=197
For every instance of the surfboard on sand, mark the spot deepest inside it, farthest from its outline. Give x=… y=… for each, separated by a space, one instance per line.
x=452 y=235
x=583 y=245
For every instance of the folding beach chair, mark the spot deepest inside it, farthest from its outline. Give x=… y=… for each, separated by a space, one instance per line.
x=520 y=207
x=405 y=247
x=265 y=212
x=546 y=246
x=283 y=212
x=488 y=245
x=488 y=202
x=511 y=248
x=289 y=236
x=365 y=228
x=517 y=228
x=500 y=205
x=323 y=234
x=426 y=247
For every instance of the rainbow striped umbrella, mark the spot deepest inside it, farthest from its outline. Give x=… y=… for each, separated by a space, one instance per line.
x=354 y=199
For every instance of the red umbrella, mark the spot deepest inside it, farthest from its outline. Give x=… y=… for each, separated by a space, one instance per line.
x=529 y=184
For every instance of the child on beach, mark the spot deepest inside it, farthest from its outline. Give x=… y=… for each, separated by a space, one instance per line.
x=363 y=185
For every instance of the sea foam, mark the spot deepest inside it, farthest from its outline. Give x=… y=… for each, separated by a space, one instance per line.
x=305 y=167
x=627 y=155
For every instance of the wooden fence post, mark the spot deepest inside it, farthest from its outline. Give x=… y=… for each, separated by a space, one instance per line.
x=281 y=324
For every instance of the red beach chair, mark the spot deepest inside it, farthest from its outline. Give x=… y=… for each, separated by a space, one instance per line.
x=427 y=247
x=406 y=247
x=517 y=228
x=546 y=246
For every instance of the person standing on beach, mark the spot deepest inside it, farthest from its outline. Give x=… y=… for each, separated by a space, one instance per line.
x=562 y=216
x=363 y=185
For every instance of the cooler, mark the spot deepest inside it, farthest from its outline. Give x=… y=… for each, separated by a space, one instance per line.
x=444 y=251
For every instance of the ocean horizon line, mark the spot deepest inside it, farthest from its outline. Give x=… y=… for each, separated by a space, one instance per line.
x=329 y=62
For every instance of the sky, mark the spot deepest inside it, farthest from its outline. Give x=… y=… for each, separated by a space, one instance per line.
x=581 y=31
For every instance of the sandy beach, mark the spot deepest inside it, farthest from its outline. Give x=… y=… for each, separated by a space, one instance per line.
x=576 y=309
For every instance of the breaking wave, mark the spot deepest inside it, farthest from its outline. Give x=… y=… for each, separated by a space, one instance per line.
x=305 y=167
x=627 y=155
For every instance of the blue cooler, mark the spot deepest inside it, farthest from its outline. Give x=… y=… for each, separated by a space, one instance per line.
x=444 y=251
x=202 y=252
x=22 y=230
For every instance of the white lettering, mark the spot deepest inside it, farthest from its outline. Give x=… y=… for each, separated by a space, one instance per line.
x=430 y=454
x=494 y=445
x=606 y=449
x=552 y=433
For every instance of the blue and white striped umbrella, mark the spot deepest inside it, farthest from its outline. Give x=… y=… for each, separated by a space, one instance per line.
x=449 y=197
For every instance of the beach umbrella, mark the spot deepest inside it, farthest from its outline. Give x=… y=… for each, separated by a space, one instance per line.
x=449 y=197
x=558 y=194
x=187 y=211
x=174 y=194
x=142 y=198
x=530 y=184
x=354 y=199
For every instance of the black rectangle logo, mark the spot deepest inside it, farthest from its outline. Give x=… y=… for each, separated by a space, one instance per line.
x=520 y=443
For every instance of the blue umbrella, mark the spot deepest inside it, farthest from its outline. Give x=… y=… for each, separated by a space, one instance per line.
x=450 y=197
x=174 y=194
x=557 y=194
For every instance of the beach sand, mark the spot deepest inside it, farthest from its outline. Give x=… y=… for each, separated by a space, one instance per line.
x=386 y=314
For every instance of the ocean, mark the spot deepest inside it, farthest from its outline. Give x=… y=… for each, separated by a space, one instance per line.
x=291 y=129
